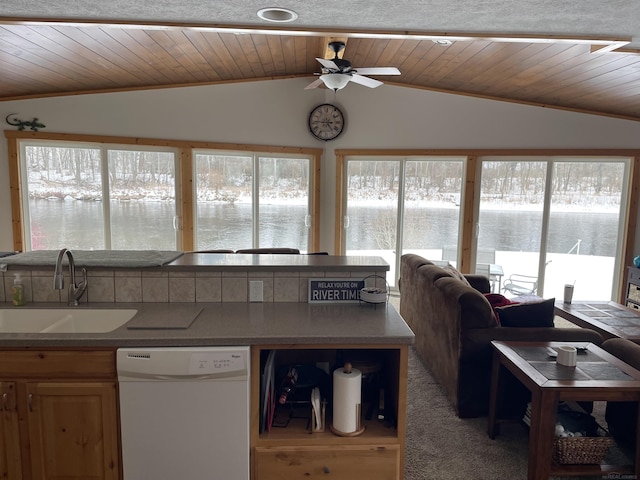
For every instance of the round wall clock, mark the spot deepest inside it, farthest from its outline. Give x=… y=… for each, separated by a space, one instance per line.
x=326 y=122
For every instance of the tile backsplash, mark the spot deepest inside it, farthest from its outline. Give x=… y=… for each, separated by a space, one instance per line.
x=151 y=285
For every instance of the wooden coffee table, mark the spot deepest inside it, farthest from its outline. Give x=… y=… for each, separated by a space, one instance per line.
x=597 y=376
x=609 y=319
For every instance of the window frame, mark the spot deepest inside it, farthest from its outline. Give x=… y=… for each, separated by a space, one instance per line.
x=184 y=174
x=105 y=149
x=471 y=194
x=255 y=157
x=551 y=161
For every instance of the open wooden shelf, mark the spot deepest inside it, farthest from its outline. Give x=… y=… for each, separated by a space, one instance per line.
x=279 y=452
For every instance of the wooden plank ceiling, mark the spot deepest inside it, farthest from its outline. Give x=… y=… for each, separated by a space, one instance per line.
x=49 y=58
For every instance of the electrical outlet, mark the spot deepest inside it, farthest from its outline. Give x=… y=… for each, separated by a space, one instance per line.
x=256 y=291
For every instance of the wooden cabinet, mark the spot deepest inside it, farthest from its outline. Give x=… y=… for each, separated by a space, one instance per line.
x=59 y=415
x=10 y=458
x=337 y=463
x=293 y=452
x=632 y=293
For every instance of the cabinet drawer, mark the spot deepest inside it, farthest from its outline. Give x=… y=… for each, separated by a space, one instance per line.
x=373 y=462
x=30 y=363
x=634 y=275
x=635 y=306
x=633 y=292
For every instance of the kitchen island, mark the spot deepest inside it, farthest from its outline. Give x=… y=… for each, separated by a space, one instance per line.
x=299 y=332
x=193 y=300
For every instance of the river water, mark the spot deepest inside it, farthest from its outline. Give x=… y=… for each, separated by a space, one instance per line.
x=78 y=224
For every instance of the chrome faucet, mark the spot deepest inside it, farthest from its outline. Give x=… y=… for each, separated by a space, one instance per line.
x=76 y=290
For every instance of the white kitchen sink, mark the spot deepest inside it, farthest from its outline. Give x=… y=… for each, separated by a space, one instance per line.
x=63 y=320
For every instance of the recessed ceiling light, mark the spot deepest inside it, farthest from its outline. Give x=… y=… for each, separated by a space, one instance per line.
x=442 y=41
x=277 y=14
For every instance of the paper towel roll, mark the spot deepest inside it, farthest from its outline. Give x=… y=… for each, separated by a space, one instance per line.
x=347 y=388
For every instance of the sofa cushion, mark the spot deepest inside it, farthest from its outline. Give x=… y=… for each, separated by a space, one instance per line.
x=453 y=271
x=532 y=314
x=455 y=300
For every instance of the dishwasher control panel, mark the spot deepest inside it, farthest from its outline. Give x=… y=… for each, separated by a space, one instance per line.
x=216 y=362
x=182 y=363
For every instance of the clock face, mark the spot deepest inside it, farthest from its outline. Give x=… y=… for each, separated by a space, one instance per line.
x=326 y=122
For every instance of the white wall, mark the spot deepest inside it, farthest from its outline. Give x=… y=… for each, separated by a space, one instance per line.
x=275 y=113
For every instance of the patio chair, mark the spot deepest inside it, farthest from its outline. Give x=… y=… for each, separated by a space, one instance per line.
x=483 y=269
x=521 y=284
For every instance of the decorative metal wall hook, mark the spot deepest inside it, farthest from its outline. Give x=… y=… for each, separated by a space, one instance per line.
x=22 y=124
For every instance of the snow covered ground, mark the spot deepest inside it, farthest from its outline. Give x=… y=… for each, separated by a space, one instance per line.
x=592 y=275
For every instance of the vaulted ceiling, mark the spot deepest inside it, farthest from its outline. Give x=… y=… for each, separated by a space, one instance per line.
x=595 y=71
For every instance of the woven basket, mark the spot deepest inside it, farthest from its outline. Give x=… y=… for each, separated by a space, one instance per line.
x=580 y=450
x=375 y=295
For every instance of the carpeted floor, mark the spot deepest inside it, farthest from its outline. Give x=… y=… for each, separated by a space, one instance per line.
x=441 y=446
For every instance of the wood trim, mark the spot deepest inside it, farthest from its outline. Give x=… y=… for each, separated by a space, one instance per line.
x=254 y=403
x=631 y=224
x=316 y=196
x=15 y=188
x=403 y=401
x=513 y=100
x=338 y=243
x=187 y=200
x=493 y=152
x=158 y=142
x=469 y=214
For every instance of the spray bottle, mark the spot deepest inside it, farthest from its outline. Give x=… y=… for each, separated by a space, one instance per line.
x=17 y=291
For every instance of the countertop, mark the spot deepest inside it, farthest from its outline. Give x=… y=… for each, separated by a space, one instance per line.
x=177 y=261
x=255 y=262
x=237 y=324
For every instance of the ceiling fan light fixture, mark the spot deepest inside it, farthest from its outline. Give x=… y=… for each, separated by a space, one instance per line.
x=277 y=14
x=443 y=42
x=335 y=81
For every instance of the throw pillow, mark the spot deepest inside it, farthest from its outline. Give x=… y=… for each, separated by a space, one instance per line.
x=453 y=271
x=533 y=314
x=496 y=300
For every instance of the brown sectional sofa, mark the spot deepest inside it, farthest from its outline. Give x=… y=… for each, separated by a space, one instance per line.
x=454 y=324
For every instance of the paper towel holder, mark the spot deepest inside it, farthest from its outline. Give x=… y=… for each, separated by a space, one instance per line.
x=359 y=427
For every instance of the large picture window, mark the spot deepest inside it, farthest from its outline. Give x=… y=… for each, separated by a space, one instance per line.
x=403 y=205
x=251 y=201
x=144 y=194
x=97 y=197
x=543 y=220
x=553 y=221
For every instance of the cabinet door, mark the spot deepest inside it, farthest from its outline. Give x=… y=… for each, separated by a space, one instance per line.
x=335 y=463
x=73 y=430
x=10 y=459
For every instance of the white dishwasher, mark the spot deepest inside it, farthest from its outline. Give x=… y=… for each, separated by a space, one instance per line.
x=184 y=413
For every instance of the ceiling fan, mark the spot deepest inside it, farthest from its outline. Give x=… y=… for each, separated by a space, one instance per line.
x=337 y=72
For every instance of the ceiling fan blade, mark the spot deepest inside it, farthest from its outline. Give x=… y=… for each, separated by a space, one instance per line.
x=378 y=71
x=328 y=64
x=366 y=81
x=314 y=84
